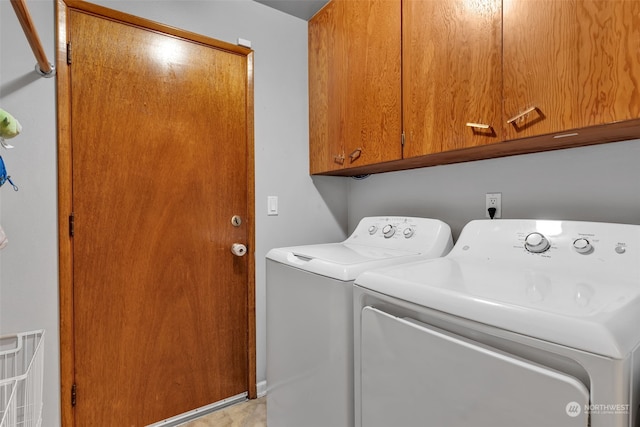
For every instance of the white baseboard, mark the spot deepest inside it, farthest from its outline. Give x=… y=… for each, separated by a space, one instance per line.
x=261 y=388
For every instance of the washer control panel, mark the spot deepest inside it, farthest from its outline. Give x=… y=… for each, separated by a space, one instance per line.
x=388 y=227
x=411 y=233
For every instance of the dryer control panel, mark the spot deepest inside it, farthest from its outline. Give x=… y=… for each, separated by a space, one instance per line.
x=575 y=246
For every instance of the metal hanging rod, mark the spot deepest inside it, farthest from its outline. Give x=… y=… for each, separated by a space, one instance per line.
x=43 y=67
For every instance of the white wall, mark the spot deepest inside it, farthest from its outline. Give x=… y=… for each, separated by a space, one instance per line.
x=311 y=209
x=597 y=183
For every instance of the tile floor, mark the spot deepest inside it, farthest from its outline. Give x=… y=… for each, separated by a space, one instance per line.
x=252 y=413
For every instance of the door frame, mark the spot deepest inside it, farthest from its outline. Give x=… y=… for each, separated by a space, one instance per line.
x=65 y=205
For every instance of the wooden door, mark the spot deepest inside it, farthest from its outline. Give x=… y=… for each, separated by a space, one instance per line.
x=452 y=77
x=160 y=159
x=355 y=84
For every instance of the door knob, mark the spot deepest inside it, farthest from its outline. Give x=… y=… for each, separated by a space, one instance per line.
x=238 y=249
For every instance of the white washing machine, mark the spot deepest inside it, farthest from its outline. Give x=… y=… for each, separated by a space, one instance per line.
x=524 y=323
x=310 y=315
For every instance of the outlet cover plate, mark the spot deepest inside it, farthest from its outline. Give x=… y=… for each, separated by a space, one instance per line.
x=493 y=200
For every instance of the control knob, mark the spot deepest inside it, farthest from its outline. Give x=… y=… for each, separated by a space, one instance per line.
x=408 y=232
x=582 y=246
x=373 y=229
x=536 y=243
x=388 y=230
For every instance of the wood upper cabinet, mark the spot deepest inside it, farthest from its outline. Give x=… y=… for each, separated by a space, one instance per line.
x=354 y=84
x=570 y=65
x=452 y=74
x=468 y=80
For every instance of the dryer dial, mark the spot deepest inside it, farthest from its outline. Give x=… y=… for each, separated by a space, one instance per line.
x=582 y=246
x=536 y=243
x=388 y=230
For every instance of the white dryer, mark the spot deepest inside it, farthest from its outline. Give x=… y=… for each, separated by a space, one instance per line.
x=524 y=323
x=310 y=315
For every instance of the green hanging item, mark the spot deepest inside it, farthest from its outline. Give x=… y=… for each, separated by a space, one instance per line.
x=9 y=127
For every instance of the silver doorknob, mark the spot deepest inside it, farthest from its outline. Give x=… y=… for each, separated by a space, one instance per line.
x=238 y=249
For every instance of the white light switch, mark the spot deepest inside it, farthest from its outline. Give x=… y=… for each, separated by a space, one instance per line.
x=272 y=205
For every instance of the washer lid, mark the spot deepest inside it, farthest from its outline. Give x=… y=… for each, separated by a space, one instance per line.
x=348 y=254
x=579 y=310
x=376 y=242
x=342 y=261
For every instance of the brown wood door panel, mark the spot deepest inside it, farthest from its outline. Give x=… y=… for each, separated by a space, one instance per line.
x=371 y=118
x=540 y=48
x=609 y=70
x=354 y=84
x=451 y=75
x=575 y=61
x=159 y=165
x=325 y=142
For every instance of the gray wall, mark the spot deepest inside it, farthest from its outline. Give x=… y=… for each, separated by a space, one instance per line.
x=311 y=209
x=597 y=183
x=29 y=264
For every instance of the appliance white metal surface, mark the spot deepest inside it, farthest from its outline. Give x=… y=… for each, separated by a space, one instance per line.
x=310 y=315
x=524 y=323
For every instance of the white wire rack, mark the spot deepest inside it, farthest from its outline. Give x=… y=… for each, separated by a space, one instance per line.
x=7 y=403
x=21 y=377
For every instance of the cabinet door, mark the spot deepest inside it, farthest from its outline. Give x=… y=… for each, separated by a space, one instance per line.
x=355 y=84
x=451 y=75
x=609 y=69
x=569 y=64
x=326 y=152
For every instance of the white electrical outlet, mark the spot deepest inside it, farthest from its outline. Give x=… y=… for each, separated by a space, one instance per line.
x=493 y=200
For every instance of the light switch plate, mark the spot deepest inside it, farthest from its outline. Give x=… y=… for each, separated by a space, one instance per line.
x=272 y=205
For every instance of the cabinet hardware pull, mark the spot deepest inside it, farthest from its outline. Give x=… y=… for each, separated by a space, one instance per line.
x=338 y=159
x=478 y=125
x=355 y=154
x=521 y=115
